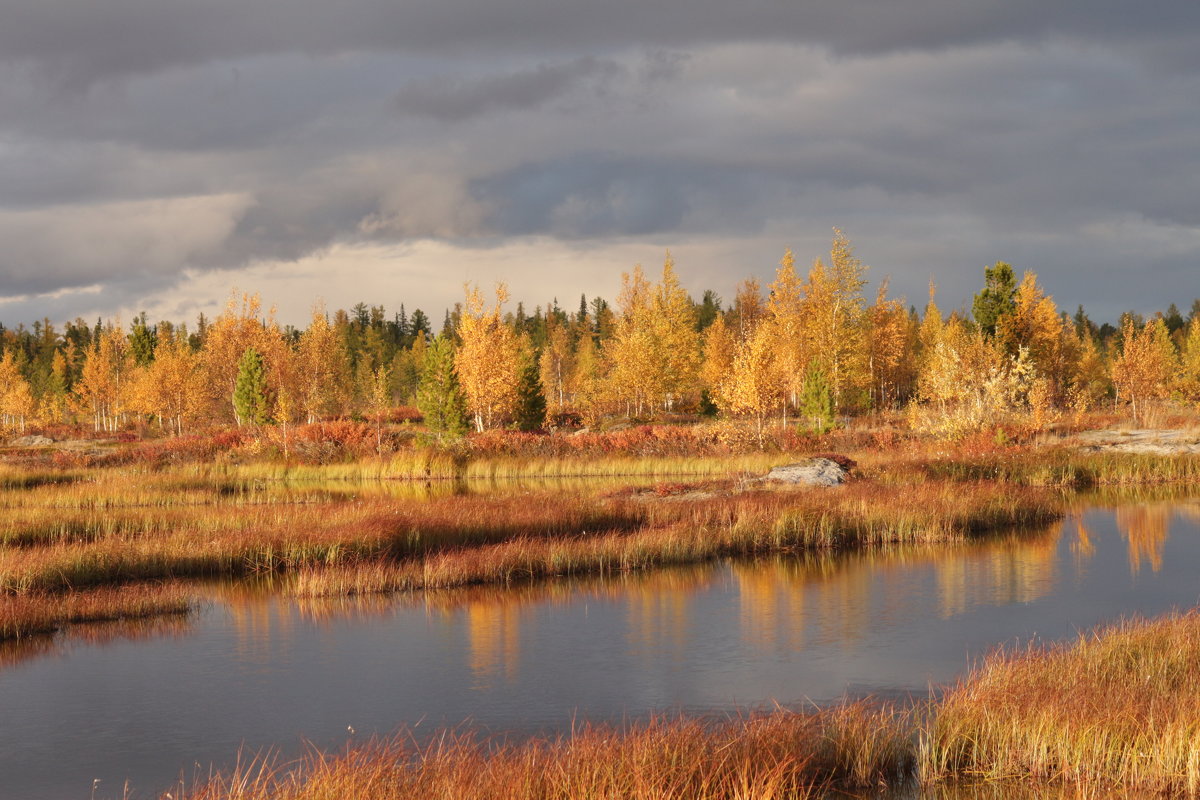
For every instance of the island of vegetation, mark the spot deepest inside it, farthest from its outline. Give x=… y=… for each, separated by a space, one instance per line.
x=142 y=459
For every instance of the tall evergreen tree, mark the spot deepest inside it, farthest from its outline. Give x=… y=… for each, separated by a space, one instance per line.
x=250 y=392
x=531 y=400
x=996 y=299
x=439 y=395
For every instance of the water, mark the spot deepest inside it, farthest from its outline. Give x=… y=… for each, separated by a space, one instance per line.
x=153 y=702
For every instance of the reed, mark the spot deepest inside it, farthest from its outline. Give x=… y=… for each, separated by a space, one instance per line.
x=776 y=755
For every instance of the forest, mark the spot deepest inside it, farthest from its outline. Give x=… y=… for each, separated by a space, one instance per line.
x=811 y=349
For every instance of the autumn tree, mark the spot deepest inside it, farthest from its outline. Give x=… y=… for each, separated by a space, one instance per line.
x=1034 y=322
x=890 y=337
x=1145 y=367
x=487 y=359
x=833 y=321
x=174 y=383
x=719 y=351
x=321 y=373
x=228 y=338
x=677 y=343
x=1091 y=382
x=557 y=367
x=748 y=309
x=633 y=369
x=104 y=383
x=379 y=401
x=754 y=386
x=1187 y=381
x=16 y=398
x=654 y=354
x=785 y=318
x=967 y=382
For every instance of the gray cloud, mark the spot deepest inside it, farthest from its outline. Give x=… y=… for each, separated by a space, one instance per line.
x=452 y=99
x=84 y=40
x=145 y=140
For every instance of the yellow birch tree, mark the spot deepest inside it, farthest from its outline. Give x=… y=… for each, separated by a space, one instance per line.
x=487 y=359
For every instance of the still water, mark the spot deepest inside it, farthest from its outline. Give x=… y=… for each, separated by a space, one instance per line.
x=85 y=713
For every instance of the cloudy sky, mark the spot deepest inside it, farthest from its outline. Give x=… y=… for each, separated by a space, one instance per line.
x=156 y=153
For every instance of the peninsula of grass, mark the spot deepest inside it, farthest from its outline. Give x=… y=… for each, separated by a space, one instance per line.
x=1118 y=710
x=479 y=539
x=37 y=614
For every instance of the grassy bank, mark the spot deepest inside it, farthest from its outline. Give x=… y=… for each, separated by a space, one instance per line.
x=1120 y=707
x=1118 y=710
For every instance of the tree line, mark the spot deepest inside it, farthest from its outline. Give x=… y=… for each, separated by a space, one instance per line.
x=807 y=349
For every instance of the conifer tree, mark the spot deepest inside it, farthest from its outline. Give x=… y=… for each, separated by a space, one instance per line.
x=995 y=300
x=531 y=401
x=816 y=402
x=250 y=390
x=439 y=395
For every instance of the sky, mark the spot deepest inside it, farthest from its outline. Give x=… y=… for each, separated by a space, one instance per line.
x=157 y=154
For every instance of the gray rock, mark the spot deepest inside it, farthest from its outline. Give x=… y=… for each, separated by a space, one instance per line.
x=813 y=472
x=31 y=441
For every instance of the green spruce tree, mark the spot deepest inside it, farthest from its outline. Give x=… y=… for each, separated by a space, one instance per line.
x=250 y=399
x=439 y=396
x=531 y=400
x=996 y=298
x=816 y=402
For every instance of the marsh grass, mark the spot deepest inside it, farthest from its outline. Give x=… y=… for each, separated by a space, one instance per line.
x=1061 y=467
x=1120 y=706
x=1116 y=712
x=23 y=616
x=118 y=531
x=774 y=755
x=683 y=533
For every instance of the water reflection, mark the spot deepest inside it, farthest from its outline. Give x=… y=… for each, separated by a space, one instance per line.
x=264 y=670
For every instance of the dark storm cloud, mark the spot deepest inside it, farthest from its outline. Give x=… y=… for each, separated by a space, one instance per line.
x=86 y=40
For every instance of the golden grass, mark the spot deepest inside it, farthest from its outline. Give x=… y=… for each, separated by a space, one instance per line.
x=1116 y=711
x=777 y=755
x=22 y=616
x=681 y=533
x=1118 y=707
x=130 y=528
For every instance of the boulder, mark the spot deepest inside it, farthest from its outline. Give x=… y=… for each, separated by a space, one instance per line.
x=31 y=441
x=813 y=472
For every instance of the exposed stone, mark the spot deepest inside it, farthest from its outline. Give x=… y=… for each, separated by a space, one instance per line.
x=31 y=441
x=813 y=472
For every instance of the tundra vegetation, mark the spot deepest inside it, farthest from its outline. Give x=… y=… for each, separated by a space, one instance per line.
x=343 y=459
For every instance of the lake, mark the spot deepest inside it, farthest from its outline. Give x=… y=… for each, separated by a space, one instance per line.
x=150 y=702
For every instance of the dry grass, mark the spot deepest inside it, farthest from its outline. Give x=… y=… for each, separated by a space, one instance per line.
x=777 y=755
x=1117 y=711
x=681 y=533
x=22 y=616
x=1118 y=707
